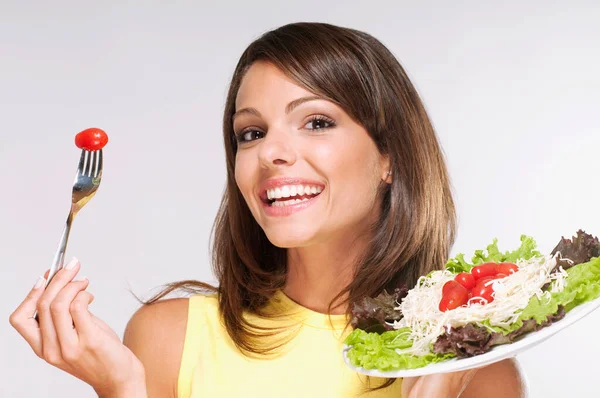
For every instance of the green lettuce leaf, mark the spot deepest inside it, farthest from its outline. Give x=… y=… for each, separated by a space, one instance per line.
x=526 y=251
x=378 y=351
x=582 y=285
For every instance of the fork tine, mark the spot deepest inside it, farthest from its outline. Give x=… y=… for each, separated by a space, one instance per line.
x=90 y=162
x=93 y=164
x=99 y=163
x=94 y=155
x=81 y=162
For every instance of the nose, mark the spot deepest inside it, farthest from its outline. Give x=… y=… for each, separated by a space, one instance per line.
x=276 y=150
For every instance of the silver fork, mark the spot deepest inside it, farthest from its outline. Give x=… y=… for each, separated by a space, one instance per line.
x=87 y=181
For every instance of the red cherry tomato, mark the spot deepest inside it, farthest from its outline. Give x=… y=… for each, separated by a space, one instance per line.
x=466 y=279
x=482 y=291
x=91 y=139
x=483 y=270
x=454 y=298
x=500 y=276
x=507 y=268
x=449 y=286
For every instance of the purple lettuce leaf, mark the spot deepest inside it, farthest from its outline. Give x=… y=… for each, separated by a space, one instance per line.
x=469 y=340
x=371 y=314
x=579 y=249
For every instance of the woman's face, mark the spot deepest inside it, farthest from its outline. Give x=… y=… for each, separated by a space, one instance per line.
x=307 y=171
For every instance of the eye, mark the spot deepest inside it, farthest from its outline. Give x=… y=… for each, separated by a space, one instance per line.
x=319 y=122
x=248 y=135
x=316 y=122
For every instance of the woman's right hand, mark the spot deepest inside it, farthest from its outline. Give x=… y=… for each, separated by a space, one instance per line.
x=70 y=338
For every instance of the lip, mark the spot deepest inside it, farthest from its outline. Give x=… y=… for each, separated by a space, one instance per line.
x=281 y=181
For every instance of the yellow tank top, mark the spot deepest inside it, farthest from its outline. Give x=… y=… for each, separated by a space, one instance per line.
x=310 y=365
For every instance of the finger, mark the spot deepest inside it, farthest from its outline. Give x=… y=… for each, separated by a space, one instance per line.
x=60 y=309
x=22 y=318
x=50 y=346
x=82 y=318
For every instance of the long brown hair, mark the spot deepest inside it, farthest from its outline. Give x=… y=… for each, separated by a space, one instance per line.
x=417 y=225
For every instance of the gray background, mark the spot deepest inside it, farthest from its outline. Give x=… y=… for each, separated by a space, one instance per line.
x=512 y=89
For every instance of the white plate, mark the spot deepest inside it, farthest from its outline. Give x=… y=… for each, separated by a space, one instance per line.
x=496 y=354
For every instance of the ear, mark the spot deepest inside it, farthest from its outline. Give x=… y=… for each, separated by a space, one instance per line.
x=385 y=168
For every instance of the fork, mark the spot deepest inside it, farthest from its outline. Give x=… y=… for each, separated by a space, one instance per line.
x=87 y=181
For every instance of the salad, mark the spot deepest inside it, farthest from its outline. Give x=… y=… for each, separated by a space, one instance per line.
x=469 y=307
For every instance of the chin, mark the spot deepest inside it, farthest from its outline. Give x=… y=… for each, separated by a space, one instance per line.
x=286 y=239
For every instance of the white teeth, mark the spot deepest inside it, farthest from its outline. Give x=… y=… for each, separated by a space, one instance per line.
x=287 y=191
x=288 y=202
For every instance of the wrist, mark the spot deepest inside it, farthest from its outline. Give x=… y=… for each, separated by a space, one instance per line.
x=133 y=388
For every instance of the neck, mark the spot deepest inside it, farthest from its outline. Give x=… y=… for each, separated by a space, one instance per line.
x=317 y=273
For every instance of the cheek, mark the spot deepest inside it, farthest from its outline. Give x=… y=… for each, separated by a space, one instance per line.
x=243 y=175
x=337 y=159
x=351 y=168
x=349 y=151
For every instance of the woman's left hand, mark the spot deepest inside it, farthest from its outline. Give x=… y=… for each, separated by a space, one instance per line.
x=441 y=385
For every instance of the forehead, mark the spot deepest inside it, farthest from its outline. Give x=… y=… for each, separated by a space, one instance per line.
x=265 y=82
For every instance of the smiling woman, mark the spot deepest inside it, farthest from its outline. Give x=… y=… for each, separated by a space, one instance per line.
x=337 y=190
x=310 y=155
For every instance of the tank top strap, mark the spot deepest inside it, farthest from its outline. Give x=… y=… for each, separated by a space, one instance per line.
x=198 y=305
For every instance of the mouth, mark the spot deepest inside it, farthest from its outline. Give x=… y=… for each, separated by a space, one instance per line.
x=289 y=195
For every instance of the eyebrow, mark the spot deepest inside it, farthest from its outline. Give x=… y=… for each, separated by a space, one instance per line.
x=289 y=107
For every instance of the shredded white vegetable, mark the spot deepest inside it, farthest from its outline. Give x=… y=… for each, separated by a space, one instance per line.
x=420 y=308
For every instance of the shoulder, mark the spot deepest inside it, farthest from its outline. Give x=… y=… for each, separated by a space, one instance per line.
x=501 y=379
x=156 y=335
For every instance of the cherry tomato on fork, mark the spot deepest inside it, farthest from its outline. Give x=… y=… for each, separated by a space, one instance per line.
x=91 y=139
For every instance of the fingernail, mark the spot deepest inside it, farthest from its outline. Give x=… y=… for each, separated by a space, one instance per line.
x=72 y=263
x=39 y=283
x=80 y=279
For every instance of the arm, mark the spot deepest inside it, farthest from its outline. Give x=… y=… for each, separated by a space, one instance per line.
x=155 y=334
x=502 y=379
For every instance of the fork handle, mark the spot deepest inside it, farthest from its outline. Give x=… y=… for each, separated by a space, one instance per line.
x=59 y=257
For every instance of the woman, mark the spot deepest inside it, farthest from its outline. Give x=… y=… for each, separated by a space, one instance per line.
x=336 y=189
